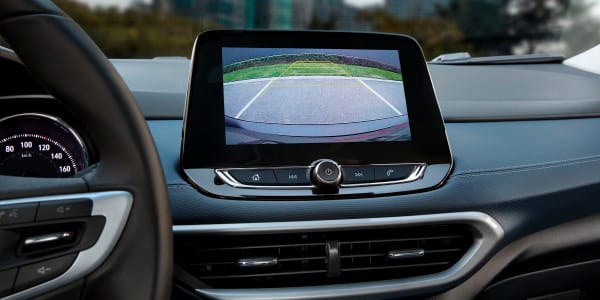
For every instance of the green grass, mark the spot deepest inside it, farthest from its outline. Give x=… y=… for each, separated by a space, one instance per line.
x=309 y=69
x=368 y=72
x=255 y=72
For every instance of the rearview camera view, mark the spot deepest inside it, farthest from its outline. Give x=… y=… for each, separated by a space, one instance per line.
x=290 y=96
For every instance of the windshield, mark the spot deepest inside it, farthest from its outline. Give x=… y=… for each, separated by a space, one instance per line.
x=152 y=28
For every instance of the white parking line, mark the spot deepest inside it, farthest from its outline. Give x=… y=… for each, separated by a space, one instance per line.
x=253 y=99
x=380 y=97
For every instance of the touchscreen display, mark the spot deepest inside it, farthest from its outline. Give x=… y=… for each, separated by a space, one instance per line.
x=292 y=96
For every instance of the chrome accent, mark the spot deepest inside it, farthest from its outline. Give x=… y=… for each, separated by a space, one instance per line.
x=115 y=207
x=416 y=174
x=257 y=262
x=487 y=233
x=187 y=100
x=25 y=96
x=230 y=180
x=315 y=172
x=224 y=175
x=46 y=238
x=406 y=254
x=59 y=121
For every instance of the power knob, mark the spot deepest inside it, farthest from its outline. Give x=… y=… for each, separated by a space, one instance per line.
x=326 y=173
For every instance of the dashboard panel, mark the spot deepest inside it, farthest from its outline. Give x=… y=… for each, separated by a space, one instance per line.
x=536 y=176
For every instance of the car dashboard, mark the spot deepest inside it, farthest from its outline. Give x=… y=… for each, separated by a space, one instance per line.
x=516 y=217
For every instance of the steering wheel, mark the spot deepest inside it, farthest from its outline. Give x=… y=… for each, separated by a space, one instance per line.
x=131 y=257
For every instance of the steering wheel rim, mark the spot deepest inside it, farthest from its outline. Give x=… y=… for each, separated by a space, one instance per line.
x=68 y=64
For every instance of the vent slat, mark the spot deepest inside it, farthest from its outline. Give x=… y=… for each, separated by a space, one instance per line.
x=264 y=274
x=266 y=246
x=401 y=240
x=385 y=253
x=396 y=266
x=235 y=262
x=303 y=258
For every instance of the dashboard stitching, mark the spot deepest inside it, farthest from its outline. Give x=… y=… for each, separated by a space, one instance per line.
x=531 y=167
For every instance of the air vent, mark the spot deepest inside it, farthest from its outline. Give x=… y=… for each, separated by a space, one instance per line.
x=284 y=260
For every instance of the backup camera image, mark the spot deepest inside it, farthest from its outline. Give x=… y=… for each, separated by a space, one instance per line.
x=290 y=96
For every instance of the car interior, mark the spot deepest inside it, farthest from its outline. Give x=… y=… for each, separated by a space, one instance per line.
x=293 y=164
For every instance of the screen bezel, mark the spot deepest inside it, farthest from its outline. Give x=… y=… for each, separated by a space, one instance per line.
x=204 y=143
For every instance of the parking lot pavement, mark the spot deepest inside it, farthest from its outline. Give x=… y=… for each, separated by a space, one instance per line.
x=314 y=100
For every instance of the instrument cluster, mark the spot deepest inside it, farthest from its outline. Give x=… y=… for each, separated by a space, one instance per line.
x=36 y=144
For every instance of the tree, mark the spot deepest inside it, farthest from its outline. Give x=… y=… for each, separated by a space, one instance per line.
x=135 y=33
x=524 y=26
x=436 y=36
x=482 y=23
x=317 y=24
x=532 y=22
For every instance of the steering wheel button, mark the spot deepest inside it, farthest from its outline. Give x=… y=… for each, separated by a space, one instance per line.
x=64 y=209
x=393 y=172
x=14 y=214
x=7 y=278
x=37 y=273
x=358 y=174
x=254 y=177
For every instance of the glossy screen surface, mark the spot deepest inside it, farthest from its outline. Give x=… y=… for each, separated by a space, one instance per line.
x=296 y=96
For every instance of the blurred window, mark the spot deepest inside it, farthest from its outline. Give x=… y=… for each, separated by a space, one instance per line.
x=150 y=28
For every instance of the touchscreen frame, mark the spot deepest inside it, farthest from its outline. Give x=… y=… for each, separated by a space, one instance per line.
x=204 y=144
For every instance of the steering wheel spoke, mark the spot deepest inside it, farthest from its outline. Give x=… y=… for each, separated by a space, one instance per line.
x=66 y=62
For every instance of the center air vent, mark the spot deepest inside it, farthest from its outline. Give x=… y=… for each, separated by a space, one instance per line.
x=283 y=260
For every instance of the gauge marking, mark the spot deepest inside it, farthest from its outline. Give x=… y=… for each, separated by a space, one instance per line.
x=40 y=145
x=47 y=139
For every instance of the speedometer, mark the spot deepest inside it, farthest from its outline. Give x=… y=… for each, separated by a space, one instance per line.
x=40 y=145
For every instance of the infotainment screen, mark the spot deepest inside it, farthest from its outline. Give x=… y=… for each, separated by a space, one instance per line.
x=296 y=96
x=296 y=99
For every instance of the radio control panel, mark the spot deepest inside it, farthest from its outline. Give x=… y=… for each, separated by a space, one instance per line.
x=322 y=173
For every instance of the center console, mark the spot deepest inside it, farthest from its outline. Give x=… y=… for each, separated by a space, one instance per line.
x=311 y=115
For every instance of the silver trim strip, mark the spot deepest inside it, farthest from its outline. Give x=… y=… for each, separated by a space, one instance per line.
x=487 y=233
x=47 y=238
x=258 y=262
x=27 y=96
x=224 y=175
x=416 y=174
x=115 y=207
x=230 y=180
x=406 y=254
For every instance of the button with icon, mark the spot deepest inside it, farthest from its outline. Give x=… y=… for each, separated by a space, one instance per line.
x=254 y=177
x=15 y=214
x=292 y=176
x=326 y=173
x=393 y=172
x=64 y=209
x=37 y=273
x=358 y=174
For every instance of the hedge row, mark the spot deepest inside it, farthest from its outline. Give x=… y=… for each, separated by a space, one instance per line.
x=290 y=58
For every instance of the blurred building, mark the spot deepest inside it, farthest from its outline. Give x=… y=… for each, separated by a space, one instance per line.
x=302 y=13
x=228 y=13
x=273 y=14
x=263 y=14
x=336 y=14
x=414 y=8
